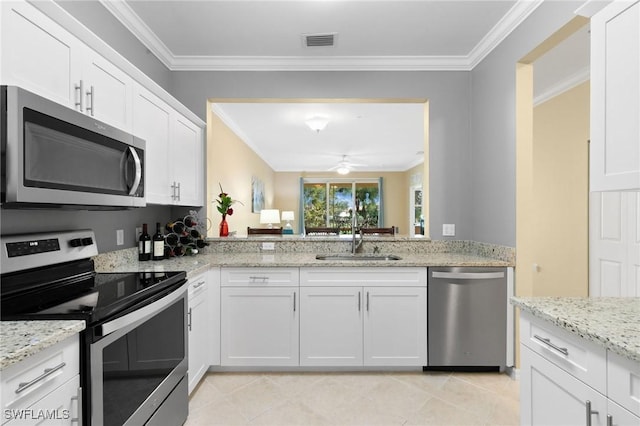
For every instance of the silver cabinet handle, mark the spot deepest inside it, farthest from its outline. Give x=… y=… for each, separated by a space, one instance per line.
x=79 y=89
x=189 y=319
x=294 y=301
x=173 y=191
x=547 y=342
x=90 y=106
x=78 y=398
x=589 y=412
x=609 y=420
x=178 y=188
x=359 y=301
x=367 y=301
x=261 y=279
x=200 y=284
x=47 y=372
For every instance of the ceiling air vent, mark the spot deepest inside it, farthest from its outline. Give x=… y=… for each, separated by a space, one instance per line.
x=319 y=40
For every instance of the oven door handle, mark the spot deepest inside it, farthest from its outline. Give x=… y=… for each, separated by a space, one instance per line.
x=140 y=314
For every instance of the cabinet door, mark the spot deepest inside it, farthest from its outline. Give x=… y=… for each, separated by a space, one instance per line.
x=620 y=416
x=108 y=91
x=57 y=408
x=185 y=156
x=199 y=323
x=331 y=326
x=259 y=326
x=153 y=124
x=395 y=326
x=549 y=396
x=615 y=105
x=38 y=54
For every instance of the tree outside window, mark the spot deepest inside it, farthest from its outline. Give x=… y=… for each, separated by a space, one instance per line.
x=331 y=202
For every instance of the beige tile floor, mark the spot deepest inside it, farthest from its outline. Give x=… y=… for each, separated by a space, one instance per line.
x=407 y=398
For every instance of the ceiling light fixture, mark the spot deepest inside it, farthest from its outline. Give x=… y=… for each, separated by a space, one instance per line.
x=343 y=170
x=317 y=123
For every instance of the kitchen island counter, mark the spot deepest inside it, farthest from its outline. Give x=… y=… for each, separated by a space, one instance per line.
x=612 y=322
x=22 y=339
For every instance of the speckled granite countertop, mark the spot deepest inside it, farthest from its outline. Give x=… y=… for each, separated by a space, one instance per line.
x=613 y=322
x=194 y=265
x=21 y=339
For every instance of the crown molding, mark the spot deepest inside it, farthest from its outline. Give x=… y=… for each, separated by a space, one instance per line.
x=505 y=26
x=514 y=17
x=228 y=121
x=562 y=86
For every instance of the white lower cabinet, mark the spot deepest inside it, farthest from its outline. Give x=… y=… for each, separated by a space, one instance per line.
x=567 y=381
x=331 y=326
x=44 y=388
x=550 y=396
x=199 y=324
x=383 y=323
x=259 y=326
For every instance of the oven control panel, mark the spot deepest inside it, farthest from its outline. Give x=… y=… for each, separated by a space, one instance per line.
x=26 y=251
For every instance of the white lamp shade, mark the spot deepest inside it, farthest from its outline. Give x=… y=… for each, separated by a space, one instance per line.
x=287 y=215
x=269 y=216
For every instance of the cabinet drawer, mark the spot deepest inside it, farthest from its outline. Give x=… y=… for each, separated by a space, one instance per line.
x=259 y=277
x=623 y=382
x=197 y=285
x=369 y=276
x=582 y=359
x=45 y=371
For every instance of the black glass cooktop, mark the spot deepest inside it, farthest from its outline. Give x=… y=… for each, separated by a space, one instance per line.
x=89 y=296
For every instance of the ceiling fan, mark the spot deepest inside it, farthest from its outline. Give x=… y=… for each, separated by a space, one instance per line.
x=344 y=166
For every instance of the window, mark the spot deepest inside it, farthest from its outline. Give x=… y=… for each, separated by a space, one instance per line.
x=330 y=203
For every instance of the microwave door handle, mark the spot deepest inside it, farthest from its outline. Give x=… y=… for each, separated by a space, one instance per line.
x=138 y=175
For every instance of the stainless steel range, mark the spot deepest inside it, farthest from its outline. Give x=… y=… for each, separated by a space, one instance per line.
x=134 y=349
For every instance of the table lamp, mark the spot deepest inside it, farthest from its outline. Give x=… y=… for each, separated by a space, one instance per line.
x=287 y=215
x=269 y=216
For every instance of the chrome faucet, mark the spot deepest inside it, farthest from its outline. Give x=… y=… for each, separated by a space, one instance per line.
x=355 y=245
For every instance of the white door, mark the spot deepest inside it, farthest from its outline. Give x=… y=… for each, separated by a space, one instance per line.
x=614 y=244
x=185 y=157
x=38 y=54
x=395 y=326
x=331 y=326
x=620 y=416
x=59 y=407
x=153 y=124
x=259 y=326
x=554 y=397
x=108 y=91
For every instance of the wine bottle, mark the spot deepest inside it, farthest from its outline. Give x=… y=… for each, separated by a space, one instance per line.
x=144 y=244
x=158 y=244
x=190 y=221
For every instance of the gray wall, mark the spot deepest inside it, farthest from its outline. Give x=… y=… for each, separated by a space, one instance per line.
x=449 y=99
x=493 y=132
x=101 y=22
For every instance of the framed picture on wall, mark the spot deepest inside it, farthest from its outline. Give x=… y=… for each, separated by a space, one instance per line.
x=257 y=194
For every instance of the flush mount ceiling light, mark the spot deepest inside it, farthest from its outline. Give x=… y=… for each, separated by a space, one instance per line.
x=317 y=123
x=343 y=170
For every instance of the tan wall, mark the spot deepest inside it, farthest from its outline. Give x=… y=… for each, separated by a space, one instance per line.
x=561 y=194
x=232 y=163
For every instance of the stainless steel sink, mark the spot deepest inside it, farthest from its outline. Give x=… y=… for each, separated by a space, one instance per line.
x=357 y=257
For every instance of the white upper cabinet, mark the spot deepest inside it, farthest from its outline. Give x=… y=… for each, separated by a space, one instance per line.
x=41 y=56
x=153 y=124
x=38 y=54
x=186 y=162
x=615 y=99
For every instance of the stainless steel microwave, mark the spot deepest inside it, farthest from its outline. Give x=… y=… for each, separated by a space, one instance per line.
x=54 y=156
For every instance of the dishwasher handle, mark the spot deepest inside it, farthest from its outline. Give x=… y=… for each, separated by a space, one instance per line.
x=468 y=275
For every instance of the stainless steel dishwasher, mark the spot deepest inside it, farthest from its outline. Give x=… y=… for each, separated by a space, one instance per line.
x=467 y=318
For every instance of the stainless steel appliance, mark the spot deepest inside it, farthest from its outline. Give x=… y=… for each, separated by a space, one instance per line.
x=54 y=156
x=467 y=317
x=134 y=349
